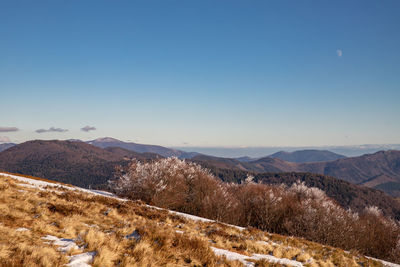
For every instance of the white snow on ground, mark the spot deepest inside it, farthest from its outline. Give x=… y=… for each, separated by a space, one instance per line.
x=191 y=217
x=22 y=229
x=103 y=193
x=246 y=259
x=64 y=244
x=33 y=183
x=196 y=218
x=233 y=256
x=273 y=259
x=385 y=263
x=30 y=186
x=81 y=260
x=201 y=219
x=272 y=243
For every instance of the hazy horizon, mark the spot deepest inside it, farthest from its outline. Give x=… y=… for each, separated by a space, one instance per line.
x=256 y=152
x=262 y=151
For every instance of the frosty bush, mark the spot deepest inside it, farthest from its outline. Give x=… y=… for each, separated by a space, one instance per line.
x=175 y=184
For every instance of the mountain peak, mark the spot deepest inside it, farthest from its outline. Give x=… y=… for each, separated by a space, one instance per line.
x=106 y=139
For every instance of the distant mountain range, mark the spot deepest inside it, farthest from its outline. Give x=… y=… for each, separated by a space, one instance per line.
x=380 y=170
x=257 y=152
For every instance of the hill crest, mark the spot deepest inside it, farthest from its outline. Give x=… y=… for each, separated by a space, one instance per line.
x=303 y=156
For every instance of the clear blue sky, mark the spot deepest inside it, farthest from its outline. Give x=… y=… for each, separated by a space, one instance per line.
x=202 y=73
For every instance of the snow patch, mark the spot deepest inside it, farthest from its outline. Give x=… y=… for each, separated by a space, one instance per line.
x=201 y=219
x=191 y=217
x=22 y=229
x=276 y=260
x=81 y=260
x=195 y=218
x=33 y=183
x=246 y=260
x=233 y=256
x=64 y=244
x=30 y=186
x=385 y=263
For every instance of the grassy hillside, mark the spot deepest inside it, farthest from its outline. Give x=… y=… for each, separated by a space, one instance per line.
x=52 y=225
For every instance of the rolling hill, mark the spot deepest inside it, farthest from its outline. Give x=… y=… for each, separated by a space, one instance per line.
x=71 y=162
x=302 y=156
x=371 y=170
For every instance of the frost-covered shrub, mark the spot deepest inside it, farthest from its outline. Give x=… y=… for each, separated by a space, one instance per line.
x=378 y=236
x=264 y=207
x=175 y=184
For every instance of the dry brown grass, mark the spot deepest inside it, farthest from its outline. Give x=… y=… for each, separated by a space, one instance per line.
x=100 y=224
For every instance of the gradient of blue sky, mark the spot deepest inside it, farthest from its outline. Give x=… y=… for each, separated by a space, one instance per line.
x=202 y=73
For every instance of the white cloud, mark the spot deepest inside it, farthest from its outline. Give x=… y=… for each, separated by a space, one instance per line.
x=88 y=128
x=9 y=129
x=52 y=129
x=4 y=139
x=339 y=52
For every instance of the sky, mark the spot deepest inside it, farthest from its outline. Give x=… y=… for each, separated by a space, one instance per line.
x=201 y=73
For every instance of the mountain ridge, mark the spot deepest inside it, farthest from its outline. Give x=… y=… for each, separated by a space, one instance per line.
x=105 y=142
x=309 y=155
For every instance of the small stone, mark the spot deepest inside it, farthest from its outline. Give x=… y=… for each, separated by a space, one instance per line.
x=135 y=235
